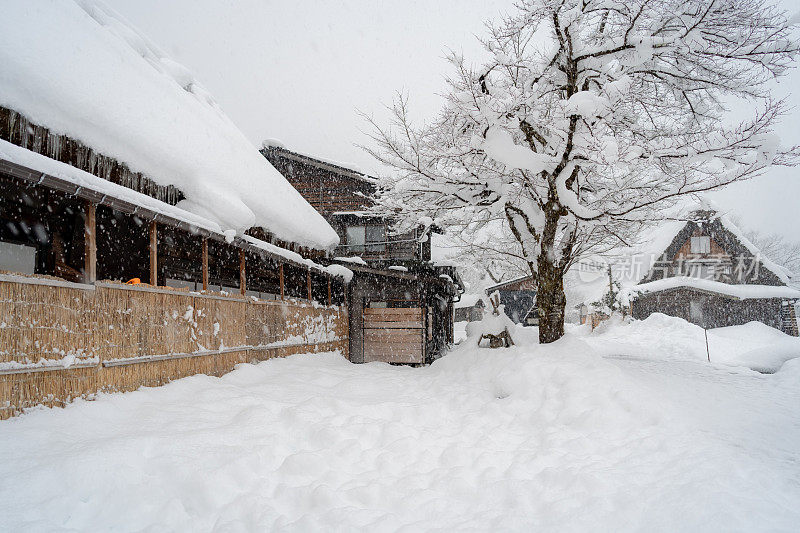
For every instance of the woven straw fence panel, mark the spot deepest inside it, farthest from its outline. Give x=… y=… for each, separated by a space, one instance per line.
x=126 y=328
x=38 y=322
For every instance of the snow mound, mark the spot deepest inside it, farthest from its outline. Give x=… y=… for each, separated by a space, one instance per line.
x=491 y=324
x=753 y=345
x=80 y=70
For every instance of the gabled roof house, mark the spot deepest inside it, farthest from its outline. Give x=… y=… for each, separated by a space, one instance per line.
x=712 y=275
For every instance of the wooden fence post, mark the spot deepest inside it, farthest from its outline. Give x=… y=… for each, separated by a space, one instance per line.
x=280 y=275
x=242 y=273
x=308 y=282
x=205 y=263
x=90 y=238
x=153 y=253
x=329 y=290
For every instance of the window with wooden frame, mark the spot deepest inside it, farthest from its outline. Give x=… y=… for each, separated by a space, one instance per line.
x=701 y=245
x=376 y=238
x=370 y=238
x=356 y=238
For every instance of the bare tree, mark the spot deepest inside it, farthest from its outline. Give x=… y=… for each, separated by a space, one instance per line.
x=775 y=247
x=593 y=117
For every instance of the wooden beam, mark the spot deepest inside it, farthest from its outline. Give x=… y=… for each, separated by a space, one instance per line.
x=153 y=253
x=308 y=283
x=205 y=263
x=280 y=275
x=90 y=239
x=242 y=273
x=329 y=290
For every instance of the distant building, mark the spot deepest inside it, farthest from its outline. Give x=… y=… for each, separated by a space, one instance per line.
x=470 y=308
x=711 y=275
x=519 y=298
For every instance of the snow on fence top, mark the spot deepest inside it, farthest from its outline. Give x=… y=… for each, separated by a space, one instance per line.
x=78 y=69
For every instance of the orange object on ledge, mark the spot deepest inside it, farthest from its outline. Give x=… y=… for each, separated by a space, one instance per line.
x=133 y=281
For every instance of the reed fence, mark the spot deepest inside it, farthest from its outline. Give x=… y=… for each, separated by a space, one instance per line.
x=60 y=341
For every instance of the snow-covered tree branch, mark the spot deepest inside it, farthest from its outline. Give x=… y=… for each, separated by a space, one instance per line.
x=592 y=117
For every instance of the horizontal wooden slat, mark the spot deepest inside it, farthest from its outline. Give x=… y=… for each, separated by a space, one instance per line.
x=399 y=324
x=414 y=344
x=394 y=339
x=394 y=331
x=392 y=310
x=394 y=358
x=393 y=317
x=375 y=351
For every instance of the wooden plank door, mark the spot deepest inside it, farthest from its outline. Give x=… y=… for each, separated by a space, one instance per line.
x=394 y=335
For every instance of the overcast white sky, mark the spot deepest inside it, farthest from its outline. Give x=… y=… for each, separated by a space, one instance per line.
x=298 y=71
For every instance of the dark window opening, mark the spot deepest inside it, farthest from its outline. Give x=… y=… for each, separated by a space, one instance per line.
x=123 y=251
x=41 y=231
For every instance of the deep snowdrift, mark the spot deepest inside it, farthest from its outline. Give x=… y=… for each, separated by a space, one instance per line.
x=563 y=437
x=79 y=69
x=753 y=345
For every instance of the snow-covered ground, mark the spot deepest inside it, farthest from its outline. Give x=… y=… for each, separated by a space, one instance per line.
x=627 y=428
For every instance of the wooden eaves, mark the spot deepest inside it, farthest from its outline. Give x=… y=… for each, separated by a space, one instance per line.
x=86 y=193
x=412 y=276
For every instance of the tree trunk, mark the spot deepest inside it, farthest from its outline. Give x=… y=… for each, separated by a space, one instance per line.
x=551 y=301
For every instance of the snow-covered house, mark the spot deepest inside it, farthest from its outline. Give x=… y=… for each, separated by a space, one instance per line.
x=137 y=223
x=400 y=302
x=470 y=308
x=519 y=298
x=710 y=274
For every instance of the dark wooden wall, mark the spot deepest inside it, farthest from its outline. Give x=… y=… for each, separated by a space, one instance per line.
x=329 y=189
x=717 y=311
x=340 y=195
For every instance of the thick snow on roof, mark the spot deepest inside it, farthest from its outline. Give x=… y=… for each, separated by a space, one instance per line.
x=742 y=292
x=81 y=178
x=78 y=69
x=469 y=300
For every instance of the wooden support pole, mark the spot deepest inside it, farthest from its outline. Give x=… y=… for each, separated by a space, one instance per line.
x=153 y=253
x=90 y=238
x=242 y=273
x=329 y=290
x=308 y=283
x=205 y=263
x=280 y=275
